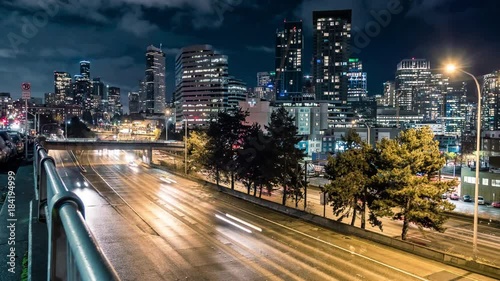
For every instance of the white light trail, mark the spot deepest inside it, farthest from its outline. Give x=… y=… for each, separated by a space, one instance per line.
x=235 y=224
x=244 y=222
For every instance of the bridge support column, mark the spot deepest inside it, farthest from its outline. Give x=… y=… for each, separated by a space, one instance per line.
x=150 y=156
x=147 y=156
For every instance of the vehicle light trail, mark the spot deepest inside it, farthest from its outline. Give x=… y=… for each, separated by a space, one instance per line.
x=244 y=222
x=235 y=224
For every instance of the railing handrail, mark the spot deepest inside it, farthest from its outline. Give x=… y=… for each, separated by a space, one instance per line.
x=116 y=141
x=73 y=253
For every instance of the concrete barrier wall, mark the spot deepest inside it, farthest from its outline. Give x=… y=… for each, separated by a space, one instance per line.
x=346 y=229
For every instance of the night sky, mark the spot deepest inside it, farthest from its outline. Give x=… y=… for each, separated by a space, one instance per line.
x=114 y=34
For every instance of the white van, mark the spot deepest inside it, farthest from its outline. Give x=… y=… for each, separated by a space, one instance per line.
x=480 y=200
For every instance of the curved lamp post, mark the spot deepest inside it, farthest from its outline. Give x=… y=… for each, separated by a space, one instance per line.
x=452 y=68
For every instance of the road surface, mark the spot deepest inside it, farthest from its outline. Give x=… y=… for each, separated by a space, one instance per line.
x=175 y=229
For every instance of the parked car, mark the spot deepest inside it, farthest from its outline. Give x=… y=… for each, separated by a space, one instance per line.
x=495 y=204
x=467 y=198
x=480 y=200
x=495 y=170
x=9 y=142
x=5 y=151
x=444 y=196
x=454 y=196
x=18 y=140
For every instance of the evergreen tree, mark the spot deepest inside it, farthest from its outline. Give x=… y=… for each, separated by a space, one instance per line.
x=224 y=138
x=351 y=173
x=408 y=169
x=286 y=154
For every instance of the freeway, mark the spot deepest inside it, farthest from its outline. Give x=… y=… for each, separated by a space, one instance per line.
x=457 y=238
x=174 y=229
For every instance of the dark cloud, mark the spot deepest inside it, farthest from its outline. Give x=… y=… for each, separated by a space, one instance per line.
x=261 y=49
x=114 y=34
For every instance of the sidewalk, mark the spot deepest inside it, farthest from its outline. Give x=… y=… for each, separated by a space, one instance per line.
x=17 y=237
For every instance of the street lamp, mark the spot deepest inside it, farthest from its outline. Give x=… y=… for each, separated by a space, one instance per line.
x=452 y=68
x=367 y=130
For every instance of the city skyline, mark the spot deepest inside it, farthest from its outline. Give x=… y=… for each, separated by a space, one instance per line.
x=121 y=64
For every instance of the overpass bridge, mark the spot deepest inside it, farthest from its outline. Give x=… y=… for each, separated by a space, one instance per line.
x=95 y=144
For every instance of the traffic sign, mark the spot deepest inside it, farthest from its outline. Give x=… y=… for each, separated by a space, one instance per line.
x=26 y=91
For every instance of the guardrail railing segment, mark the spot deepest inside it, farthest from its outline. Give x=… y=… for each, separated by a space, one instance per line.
x=73 y=253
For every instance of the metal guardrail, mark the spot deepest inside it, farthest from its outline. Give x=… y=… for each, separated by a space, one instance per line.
x=114 y=141
x=73 y=253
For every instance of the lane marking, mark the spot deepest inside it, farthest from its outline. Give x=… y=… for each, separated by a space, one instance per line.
x=119 y=196
x=337 y=247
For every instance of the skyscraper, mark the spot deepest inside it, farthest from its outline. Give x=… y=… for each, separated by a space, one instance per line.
x=289 y=45
x=331 y=52
x=85 y=69
x=491 y=101
x=114 y=101
x=133 y=102
x=412 y=78
x=97 y=95
x=50 y=99
x=455 y=110
x=357 y=89
x=237 y=91
x=155 y=81
x=389 y=98
x=82 y=89
x=62 y=88
x=265 y=85
x=201 y=84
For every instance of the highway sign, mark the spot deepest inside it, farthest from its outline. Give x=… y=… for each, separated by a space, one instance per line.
x=26 y=91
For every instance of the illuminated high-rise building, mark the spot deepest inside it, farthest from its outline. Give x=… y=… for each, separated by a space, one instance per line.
x=201 y=84
x=50 y=99
x=331 y=53
x=62 y=88
x=114 y=101
x=82 y=90
x=265 y=85
x=154 y=81
x=389 y=96
x=357 y=89
x=456 y=110
x=491 y=101
x=289 y=45
x=412 y=78
x=85 y=69
x=237 y=91
x=133 y=102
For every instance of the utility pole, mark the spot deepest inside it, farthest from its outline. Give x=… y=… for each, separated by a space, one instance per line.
x=306 y=184
x=27 y=131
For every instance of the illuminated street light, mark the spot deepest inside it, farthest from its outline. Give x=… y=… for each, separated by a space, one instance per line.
x=452 y=68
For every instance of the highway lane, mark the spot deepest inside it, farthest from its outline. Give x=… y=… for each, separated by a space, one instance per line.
x=180 y=218
x=114 y=229
x=457 y=238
